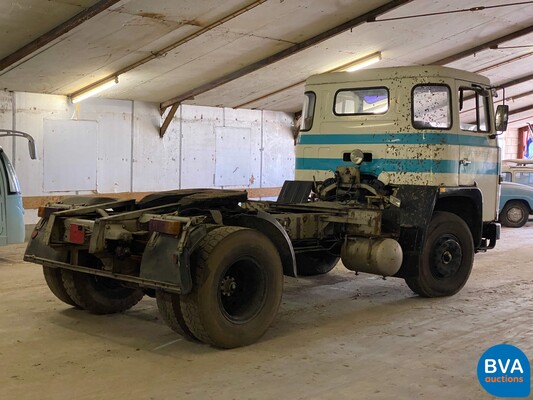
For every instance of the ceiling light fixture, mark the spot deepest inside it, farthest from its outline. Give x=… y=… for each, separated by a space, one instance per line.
x=359 y=63
x=95 y=89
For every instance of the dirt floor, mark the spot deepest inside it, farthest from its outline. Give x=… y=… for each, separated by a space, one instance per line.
x=339 y=336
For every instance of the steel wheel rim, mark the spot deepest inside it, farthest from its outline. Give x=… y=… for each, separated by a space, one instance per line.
x=446 y=257
x=242 y=290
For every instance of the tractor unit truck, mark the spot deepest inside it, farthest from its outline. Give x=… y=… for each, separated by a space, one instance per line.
x=397 y=174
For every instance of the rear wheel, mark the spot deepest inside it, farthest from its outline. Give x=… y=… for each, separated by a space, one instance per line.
x=447 y=257
x=237 y=287
x=169 y=307
x=315 y=263
x=515 y=214
x=54 y=280
x=99 y=295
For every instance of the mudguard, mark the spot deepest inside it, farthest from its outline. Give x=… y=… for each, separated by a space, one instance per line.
x=271 y=228
x=164 y=262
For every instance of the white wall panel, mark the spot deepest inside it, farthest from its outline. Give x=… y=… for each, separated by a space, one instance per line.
x=249 y=119
x=31 y=110
x=278 y=154
x=156 y=161
x=114 y=141
x=198 y=145
x=232 y=158
x=69 y=155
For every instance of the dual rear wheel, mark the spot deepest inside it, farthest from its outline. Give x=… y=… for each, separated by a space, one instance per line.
x=237 y=289
x=96 y=294
x=236 y=293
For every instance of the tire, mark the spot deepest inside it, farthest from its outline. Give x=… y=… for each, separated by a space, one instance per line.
x=446 y=259
x=515 y=214
x=99 y=295
x=237 y=287
x=54 y=280
x=169 y=307
x=86 y=200
x=315 y=263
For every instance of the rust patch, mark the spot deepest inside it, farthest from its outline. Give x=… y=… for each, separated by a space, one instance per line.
x=192 y=22
x=159 y=17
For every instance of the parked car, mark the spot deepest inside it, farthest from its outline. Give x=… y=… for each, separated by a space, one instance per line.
x=11 y=210
x=516 y=204
x=518 y=171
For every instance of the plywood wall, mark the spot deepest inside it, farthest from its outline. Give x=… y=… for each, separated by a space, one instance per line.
x=131 y=157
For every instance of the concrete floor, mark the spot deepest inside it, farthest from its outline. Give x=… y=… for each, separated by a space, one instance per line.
x=337 y=337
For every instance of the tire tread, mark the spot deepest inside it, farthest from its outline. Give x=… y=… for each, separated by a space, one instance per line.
x=76 y=287
x=169 y=306
x=54 y=280
x=189 y=302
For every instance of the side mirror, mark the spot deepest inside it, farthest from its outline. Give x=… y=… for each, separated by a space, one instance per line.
x=501 y=118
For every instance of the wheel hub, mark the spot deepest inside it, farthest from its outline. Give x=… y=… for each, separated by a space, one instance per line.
x=228 y=286
x=515 y=214
x=447 y=257
x=242 y=290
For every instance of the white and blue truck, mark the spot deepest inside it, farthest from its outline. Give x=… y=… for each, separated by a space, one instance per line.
x=397 y=174
x=11 y=210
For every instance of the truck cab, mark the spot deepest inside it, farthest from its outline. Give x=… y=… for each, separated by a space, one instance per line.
x=424 y=126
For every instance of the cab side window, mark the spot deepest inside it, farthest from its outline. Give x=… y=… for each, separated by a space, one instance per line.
x=308 y=111
x=525 y=178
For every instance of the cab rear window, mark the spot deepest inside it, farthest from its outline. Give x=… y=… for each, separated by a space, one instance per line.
x=361 y=101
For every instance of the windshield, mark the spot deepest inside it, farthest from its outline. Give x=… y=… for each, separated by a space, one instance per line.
x=13 y=183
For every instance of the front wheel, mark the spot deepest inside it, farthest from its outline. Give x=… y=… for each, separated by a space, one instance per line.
x=446 y=259
x=237 y=287
x=515 y=214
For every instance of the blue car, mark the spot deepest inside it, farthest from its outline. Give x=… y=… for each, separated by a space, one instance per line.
x=516 y=203
x=11 y=211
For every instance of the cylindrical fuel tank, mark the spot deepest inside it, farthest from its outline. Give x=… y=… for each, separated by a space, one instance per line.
x=374 y=256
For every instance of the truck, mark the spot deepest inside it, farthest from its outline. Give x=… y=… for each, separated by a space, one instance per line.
x=397 y=174
x=12 y=228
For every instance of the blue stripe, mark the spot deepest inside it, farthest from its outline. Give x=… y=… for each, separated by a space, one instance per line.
x=397 y=138
x=378 y=165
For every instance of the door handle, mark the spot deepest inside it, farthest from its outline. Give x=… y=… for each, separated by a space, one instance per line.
x=465 y=162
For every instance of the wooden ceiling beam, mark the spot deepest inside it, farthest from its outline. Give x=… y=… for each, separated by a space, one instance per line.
x=55 y=33
x=367 y=17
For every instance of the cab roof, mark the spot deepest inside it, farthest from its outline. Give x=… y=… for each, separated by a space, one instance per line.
x=374 y=74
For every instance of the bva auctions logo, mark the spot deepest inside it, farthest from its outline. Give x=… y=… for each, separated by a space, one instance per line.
x=504 y=371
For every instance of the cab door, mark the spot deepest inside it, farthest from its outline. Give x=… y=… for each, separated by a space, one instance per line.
x=479 y=155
